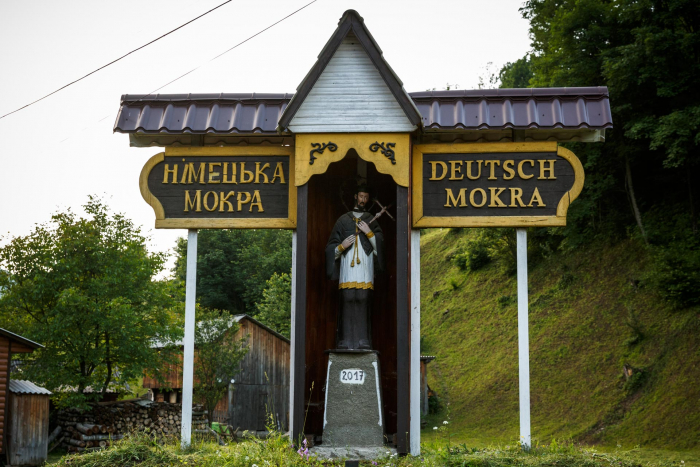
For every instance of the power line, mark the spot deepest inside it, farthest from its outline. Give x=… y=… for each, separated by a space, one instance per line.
x=223 y=53
x=211 y=60
x=115 y=61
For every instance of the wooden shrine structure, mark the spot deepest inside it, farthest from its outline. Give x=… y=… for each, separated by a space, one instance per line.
x=440 y=159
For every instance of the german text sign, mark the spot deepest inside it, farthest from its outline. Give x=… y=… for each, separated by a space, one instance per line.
x=211 y=187
x=494 y=184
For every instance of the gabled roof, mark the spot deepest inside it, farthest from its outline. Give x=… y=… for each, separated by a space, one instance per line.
x=234 y=319
x=22 y=340
x=18 y=386
x=351 y=22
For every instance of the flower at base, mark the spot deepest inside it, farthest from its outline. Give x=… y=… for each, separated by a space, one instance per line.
x=434 y=428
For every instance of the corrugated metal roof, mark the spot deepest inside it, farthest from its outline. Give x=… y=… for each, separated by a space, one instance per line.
x=18 y=386
x=531 y=108
x=456 y=111
x=221 y=113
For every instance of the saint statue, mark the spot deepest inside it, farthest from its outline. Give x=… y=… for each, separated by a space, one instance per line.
x=354 y=254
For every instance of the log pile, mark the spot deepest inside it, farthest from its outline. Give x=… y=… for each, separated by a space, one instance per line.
x=107 y=423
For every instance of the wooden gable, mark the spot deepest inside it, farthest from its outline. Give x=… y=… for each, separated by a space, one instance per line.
x=351 y=88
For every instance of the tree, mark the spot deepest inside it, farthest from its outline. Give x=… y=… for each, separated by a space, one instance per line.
x=516 y=74
x=218 y=356
x=275 y=309
x=85 y=288
x=233 y=266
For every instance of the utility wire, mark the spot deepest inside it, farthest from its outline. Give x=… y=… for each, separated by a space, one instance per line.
x=222 y=53
x=115 y=61
x=211 y=60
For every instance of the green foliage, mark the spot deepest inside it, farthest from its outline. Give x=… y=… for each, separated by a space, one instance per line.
x=218 y=355
x=475 y=256
x=516 y=74
x=584 y=304
x=144 y=451
x=85 y=288
x=648 y=55
x=233 y=266
x=275 y=309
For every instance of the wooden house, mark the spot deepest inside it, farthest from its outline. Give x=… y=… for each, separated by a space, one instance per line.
x=28 y=424
x=259 y=387
x=9 y=343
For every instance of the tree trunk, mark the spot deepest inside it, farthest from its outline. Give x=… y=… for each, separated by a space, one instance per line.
x=633 y=200
x=693 y=213
x=108 y=378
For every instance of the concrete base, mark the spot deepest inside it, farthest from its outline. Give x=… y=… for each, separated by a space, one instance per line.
x=353 y=417
x=351 y=453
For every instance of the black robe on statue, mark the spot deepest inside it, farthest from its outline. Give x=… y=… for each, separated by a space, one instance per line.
x=353 y=328
x=343 y=228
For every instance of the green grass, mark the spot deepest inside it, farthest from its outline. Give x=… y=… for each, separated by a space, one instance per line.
x=588 y=317
x=143 y=451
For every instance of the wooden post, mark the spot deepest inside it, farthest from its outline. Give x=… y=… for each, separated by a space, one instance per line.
x=523 y=340
x=403 y=323
x=188 y=357
x=298 y=331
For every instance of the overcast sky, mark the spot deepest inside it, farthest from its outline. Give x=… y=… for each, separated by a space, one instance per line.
x=57 y=152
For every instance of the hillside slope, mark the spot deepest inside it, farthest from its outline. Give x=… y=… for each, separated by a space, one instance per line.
x=590 y=314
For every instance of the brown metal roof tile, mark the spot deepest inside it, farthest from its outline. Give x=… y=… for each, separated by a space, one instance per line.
x=479 y=109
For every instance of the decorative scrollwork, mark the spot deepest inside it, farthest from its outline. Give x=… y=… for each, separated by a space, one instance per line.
x=319 y=148
x=387 y=150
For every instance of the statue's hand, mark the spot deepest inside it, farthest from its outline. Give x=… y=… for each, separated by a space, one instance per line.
x=347 y=243
x=364 y=227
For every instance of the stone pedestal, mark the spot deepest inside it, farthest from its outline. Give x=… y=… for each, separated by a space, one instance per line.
x=353 y=416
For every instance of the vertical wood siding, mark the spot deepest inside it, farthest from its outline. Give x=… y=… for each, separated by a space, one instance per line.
x=350 y=96
x=28 y=429
x=261 y=381
x=4 y=382
x=262 y=385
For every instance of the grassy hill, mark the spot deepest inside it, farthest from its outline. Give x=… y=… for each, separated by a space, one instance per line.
x=591 y=313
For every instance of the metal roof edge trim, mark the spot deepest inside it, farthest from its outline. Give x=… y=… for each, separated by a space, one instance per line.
x=22 y=340
x=502 y=93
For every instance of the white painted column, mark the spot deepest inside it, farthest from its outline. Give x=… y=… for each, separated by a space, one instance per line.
x=292 y=414
x=523 y=340
x=415 y=400
x=188 y=358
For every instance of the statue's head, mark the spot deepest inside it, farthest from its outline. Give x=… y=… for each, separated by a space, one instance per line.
x=362 y=197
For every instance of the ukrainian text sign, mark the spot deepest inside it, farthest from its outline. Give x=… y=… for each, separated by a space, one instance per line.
x=493 y=184
x=209 y=187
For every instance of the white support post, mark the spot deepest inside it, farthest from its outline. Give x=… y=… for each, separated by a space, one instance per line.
x=292 y=413
x=523 y=341
x=414 y=445
x=188 y=358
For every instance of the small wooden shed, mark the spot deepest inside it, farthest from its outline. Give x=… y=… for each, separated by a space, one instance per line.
x=28 y=427
x=260 y=385
x=424 y=360
x=9 y=343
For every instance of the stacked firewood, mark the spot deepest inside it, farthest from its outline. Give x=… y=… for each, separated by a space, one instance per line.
x=106 y=423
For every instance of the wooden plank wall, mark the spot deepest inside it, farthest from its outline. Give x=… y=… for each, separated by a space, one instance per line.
x=333 y=105
x=324 y=208
x=262 y=385
x=261 y=381
x=28 y=429
x=4 y=386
